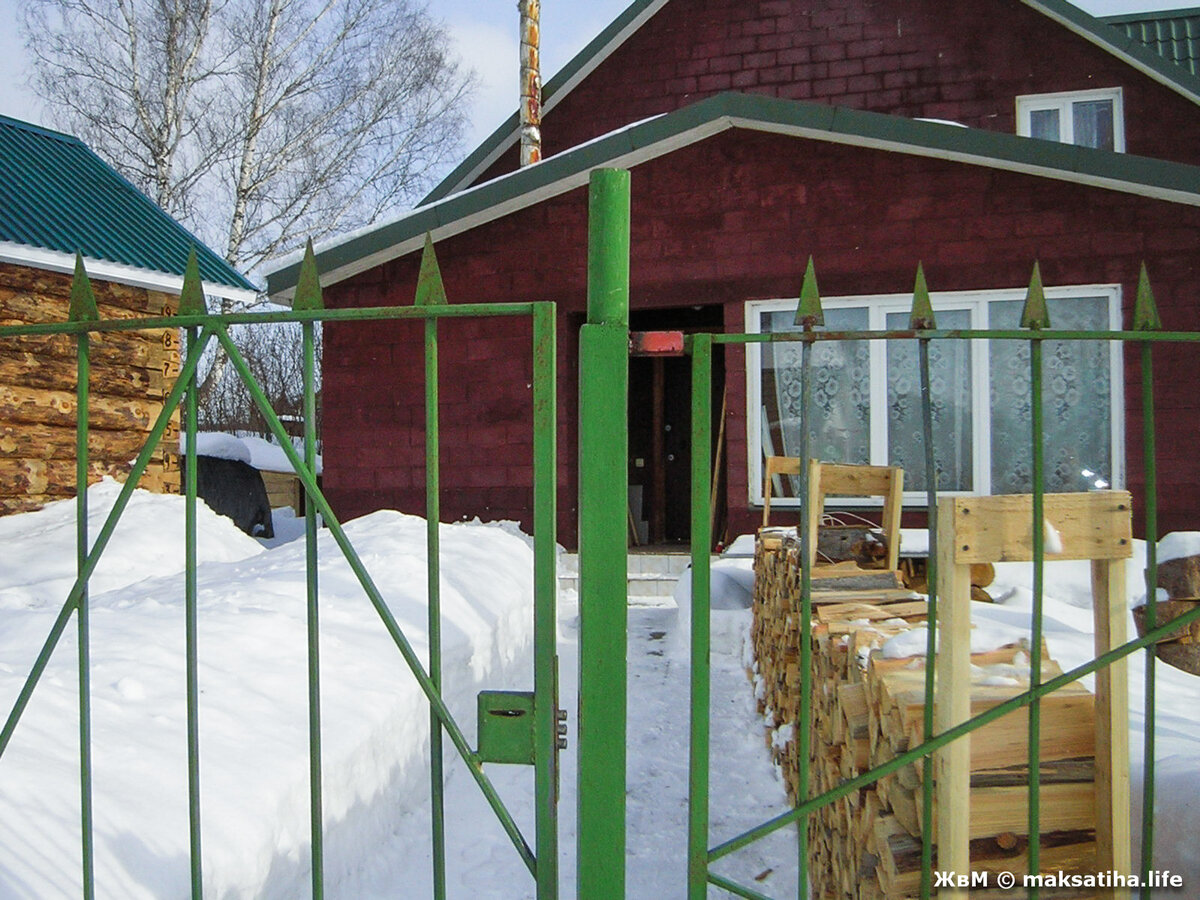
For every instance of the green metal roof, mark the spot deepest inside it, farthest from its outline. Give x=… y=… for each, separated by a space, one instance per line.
x=57 y=195
x=1149 y=57
x=661 y=135
x=1173 y=34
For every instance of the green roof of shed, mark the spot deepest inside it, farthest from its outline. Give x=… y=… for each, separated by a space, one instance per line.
x=58 y=197
x=1173 y=34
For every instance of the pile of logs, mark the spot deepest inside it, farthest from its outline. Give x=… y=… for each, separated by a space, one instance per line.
x=131 y=373
x=867 y=709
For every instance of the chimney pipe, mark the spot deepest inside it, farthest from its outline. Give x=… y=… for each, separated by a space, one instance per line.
x=531 y=82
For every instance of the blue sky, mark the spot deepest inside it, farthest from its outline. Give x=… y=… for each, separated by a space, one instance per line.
x=486 y=34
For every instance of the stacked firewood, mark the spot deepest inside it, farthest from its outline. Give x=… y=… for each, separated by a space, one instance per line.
x=868 y=708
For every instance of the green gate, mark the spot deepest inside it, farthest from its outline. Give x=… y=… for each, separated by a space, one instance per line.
x=604 y=348
x=514 y=726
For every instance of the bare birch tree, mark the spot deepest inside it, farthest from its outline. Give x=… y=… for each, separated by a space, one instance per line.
x=256 y=122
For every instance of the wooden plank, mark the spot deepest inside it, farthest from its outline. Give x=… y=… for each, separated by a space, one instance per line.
x=48 y=407
x=1094 y=525
x=1005 y=810
x=953 y=762
x=1112 y=723
x=58 y=442
x=25 y=369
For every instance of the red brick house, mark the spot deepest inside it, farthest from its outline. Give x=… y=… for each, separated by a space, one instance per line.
x=759 y=133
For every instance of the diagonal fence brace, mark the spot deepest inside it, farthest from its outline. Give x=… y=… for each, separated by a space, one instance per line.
x=474 y=764
x=110 y=524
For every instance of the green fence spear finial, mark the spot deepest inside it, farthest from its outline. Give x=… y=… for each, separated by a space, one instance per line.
x=922 y=318
x=430 y=290
x=82 y=307
x=308 y=283
x=1035 y=314
x=809 y=313
x=1145 y=310
x=191 y=298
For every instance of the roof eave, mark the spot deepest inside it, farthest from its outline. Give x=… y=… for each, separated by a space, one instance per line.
x=103 y=270
x=566 y=171
x=1121 y=45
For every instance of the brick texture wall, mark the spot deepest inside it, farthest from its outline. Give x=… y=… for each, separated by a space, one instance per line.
x=732 y=219
x=966 y=62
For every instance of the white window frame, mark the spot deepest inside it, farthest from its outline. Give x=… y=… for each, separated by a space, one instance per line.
x=878 y=307
x=1027 y=103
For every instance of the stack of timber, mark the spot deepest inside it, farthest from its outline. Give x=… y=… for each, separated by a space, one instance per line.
x=868 y=709
x=131 y=373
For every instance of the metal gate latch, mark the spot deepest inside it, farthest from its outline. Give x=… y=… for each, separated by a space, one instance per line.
x=506 y=727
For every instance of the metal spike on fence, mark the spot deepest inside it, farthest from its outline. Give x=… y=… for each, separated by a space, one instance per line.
x=191 y=298
x=430 y=290
x=808 y=312
x=82 y=307
x=1145 y=310
x=922 y=318
x=1035 y=314
x=308 y=283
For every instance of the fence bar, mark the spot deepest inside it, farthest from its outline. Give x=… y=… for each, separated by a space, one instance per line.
x=315 y=496
x=736 y=889
x=1150 y=467
x=316 y=802
x=804 y=725
x=433 y=517
x=948 y=736
x=1035 y=641
x=83 y=361
x=102 y=538
x=931 y=574
x=191 y=622
x=699 y=726
x=603 y=587
x=545 y=585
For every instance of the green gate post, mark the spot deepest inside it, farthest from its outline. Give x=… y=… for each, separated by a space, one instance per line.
x=603 y=452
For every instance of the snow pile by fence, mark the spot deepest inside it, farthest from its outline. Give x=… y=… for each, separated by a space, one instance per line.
x=253 y=701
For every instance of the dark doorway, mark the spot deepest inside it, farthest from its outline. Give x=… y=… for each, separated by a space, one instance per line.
x=660 y=420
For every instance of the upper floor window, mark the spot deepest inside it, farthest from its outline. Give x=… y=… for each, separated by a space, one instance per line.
x=1087 y=118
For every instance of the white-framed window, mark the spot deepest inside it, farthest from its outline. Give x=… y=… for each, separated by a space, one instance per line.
x=866 y=405
x=1087 y=118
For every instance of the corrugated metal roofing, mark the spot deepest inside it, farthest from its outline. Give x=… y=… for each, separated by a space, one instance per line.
x=1173 y=34
x=56 y=194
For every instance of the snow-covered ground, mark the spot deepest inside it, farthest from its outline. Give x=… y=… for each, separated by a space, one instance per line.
x=254 y=728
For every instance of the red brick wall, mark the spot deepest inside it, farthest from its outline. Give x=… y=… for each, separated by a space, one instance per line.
x=728 y=220
x=966 y=62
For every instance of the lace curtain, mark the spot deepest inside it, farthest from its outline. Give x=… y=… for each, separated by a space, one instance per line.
x=1077 y=407
x=950 y=391
x=841 y=399
x=1077 y=396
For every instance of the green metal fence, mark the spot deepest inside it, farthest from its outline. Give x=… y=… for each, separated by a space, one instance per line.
x=540 y=855
x=602 y=756
x=1035 y=332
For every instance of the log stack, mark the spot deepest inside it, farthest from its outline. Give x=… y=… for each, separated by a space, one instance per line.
x=868 y=708
x=131 y=373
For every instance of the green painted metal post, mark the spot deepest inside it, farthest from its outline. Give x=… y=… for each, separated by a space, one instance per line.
x=191 y=302
x=701 y=537
x=545 y=585
x=83 y=308
x=308 y=297
x=922 y=319
x=432 y=292
x=1035 y=316
x=1146 y=318
x=603 y=452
